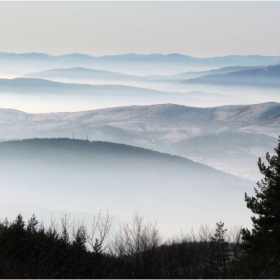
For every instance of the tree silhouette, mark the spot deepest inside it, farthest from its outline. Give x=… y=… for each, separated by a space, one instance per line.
x=261 y=258
x=218 y=255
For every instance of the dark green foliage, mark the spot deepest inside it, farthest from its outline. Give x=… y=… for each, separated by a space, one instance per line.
x=261 y=258
x=218 y=255
x=31 y=251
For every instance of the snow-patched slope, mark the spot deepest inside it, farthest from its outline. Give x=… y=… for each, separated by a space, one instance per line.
x=11 y=115
x=153 y=118
x=244 y=113
x=161 y=127
x=259 y=112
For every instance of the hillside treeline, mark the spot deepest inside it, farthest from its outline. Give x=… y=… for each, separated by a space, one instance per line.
x=69 y=250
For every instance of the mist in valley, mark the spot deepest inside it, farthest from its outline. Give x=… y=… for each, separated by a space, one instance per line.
x=50 y=176
x=139 y=140
x=161 y=103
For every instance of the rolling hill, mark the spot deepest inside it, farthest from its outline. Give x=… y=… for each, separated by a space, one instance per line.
x=84 y=75
x=83 y=176
x=267 y=77
x=39 y=95
x=168 y=128
x=192 y=75
x=24 y=85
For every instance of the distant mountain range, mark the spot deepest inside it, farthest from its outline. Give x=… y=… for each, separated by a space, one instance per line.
x=226 y=80
x=252 y=59
x=168 y=161
x=192 y=75
x=84 y=75
x=87 y=176
x=266 y=77
x=254 y=78
x=168 y=128
x=91 y=76
x=154 y=64
x=21 y=93
x=22 y=85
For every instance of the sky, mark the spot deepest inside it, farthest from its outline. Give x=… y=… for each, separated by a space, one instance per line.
x=200 y=29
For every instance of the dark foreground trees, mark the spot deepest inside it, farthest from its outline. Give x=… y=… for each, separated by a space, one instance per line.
x=33 y=251
x=30 y=250
x=261 y=258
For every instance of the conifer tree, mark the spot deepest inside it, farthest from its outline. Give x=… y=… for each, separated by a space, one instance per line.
x=261 y=258
x=218 y=257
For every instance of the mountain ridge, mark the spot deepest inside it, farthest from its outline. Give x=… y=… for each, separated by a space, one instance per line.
x=235 y=108
x=89 y=148
x=83 y=69
x=33 y=82
x=266 y=76
x=160 y=127
x=136 y=64
x=138 y=54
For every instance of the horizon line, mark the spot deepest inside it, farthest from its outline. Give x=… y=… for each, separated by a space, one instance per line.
x=133 y=54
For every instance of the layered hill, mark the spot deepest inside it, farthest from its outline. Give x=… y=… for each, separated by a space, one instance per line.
x=86 y=76
x=268 y=77
x=92 y=76
x=164 y=119
x=154 y=64
x=39 y=95
x=168 y=128
x=31 y=85
x=58 y=174
x=196 y=74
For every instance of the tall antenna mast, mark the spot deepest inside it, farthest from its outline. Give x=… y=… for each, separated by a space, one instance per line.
x=73 y=135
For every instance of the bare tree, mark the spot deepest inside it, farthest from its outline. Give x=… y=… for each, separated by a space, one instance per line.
x=136 y=243
x=100 y=229
x=66 y=224
x=95 y=237
x=136 y=237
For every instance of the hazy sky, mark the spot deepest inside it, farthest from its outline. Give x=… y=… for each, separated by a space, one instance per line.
x=98 y=28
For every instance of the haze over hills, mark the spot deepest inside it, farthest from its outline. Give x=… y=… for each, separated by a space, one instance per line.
x=260 y=78
x=82 y=176
x=39 y=95
x=192 y=75
x=92 y=76
x=38 y=85
x=85 y=75
x=161 y=116
x=235 y=152
x=12 y=64
x=240 y=134
x=131 y=99
x=77 y=83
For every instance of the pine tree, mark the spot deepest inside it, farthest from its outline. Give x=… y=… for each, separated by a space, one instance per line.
x=218 y=257
x=32 y=224
x=261 y=258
